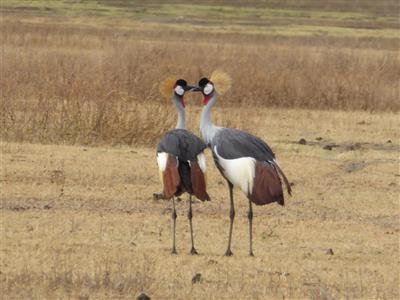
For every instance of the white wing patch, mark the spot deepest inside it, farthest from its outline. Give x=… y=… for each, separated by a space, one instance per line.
x=240 y=171
x=162 y=158
x=201 y=159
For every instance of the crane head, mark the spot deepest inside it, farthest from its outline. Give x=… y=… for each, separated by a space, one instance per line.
x=176 y=88
x=219 y=79
x=206 y=87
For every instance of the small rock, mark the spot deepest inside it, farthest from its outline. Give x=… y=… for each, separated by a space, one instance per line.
x=327 y=147
x=143 y=296
x=362 y=122
x=84 y=149
x=157 y=196
x=292 y=183
x=196 y=278
x=389 y=141
x=282 y=274
x=392 y=184
x=319 y=138
x=329 y=251
x=47 y=206
x=355 y=166
x=133 y=151
x=302 y=141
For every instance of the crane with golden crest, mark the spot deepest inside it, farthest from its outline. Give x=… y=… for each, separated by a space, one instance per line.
x=244 y=160
x=180 y=158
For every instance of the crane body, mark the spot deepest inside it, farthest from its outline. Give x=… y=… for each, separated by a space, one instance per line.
x=181 y=161
x=244 y=160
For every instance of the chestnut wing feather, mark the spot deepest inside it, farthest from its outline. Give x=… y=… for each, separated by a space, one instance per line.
x=171 y=178
x=198 y=182
x=267 y=187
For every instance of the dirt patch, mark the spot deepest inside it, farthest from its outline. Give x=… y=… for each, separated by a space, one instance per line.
x=348 y=146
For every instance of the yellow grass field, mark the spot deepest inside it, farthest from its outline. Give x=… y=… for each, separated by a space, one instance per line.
x=81 y=115
x=80 y=222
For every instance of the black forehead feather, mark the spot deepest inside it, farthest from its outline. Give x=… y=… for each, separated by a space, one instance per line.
x=181 y=82
x=203 y=81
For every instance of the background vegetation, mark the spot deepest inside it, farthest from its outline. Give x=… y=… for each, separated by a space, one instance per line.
x=88 y=71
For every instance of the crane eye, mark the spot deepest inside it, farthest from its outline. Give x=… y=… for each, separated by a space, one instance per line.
x=208 y=89
x=179 y=90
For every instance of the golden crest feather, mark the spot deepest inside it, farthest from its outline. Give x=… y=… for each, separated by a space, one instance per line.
x=222 y=81
x=167 y=86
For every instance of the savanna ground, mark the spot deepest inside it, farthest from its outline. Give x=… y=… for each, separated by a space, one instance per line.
x=81 y=115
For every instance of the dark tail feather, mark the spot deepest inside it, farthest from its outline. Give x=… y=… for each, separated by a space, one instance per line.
x=289 y=188
x=184 y=172
x=267 y=186
x=171 y=178
x=198 y=181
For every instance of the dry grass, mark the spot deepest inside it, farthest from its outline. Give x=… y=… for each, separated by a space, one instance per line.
x=80 y=222
x=94 y=85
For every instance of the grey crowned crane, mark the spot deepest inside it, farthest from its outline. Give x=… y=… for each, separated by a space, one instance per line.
x=244 y=160
x=180 y=158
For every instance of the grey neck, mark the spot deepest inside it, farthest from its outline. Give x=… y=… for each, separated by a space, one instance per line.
x=181 y=113
x=207 y=128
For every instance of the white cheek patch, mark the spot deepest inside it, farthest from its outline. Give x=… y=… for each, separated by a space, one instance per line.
x=179 y=90
x=208 y=89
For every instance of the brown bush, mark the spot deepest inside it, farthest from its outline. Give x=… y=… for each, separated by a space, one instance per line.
x=67 y=83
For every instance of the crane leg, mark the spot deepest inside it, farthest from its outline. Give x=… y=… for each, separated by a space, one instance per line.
x=232 y=217
x=250 y=216
x=190 y=216
x=174 y=216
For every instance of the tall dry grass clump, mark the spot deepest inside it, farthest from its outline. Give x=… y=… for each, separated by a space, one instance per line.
x=74 y=84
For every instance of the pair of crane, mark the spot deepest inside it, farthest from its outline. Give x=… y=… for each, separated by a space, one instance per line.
x=245 y=161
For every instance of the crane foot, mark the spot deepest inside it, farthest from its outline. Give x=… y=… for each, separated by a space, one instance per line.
x=158 y=196
x=228 y=252
x=193 y=251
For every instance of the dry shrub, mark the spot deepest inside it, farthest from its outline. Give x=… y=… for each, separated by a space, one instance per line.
x=66 y=83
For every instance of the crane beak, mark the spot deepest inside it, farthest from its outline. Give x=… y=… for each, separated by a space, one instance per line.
x=196 y=89
x=188 y=88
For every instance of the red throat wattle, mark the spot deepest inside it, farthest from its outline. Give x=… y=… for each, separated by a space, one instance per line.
x=182 y=101
x=206 y=99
